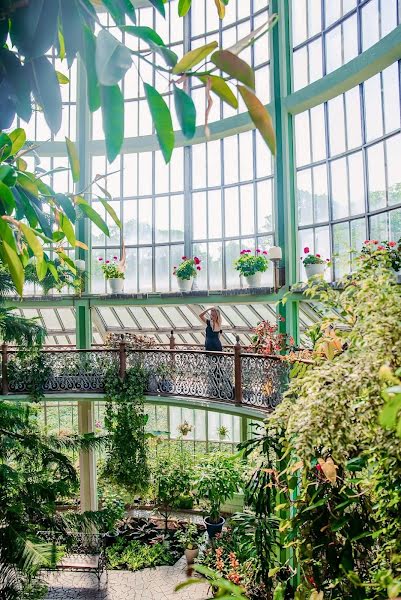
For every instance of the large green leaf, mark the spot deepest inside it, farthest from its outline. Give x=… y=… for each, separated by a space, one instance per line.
x=154 y=42
x=111 y=212
x=159 y=6
x=11 y=257
x=119 y=9
x=17 y=77
x=113 y=59
x=186 y=112
x=34 y=27
x=65 y=203
x=5 y=145
x=88 y=57
x=162 y=121
x=71 y=26
x=7 y=200
x=92 y=215
x=18 y=138
x=221 y=89
x=46 y=90
x=68 y=229
x=33 y=242
x=235 y=67
x=113 y=119
x=260 y=117
x=183 y=7
x=194 y=57
x=73 y=159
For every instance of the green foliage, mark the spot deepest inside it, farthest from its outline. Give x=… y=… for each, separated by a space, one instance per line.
x=374 y=252
x=190 y=537
x=224 y=589
x=112 y=270
x=135 y=556
x=126 y=460
x=217 y=479
x=188 y=268
x=249 y=264
x=27 y=73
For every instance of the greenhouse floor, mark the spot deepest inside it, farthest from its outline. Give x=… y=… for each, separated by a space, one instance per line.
x=148 y=584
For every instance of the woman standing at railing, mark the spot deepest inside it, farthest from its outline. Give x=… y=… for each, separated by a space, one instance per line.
x=212 y=318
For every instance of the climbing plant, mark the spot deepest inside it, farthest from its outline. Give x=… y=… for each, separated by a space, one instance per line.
x=126 y=461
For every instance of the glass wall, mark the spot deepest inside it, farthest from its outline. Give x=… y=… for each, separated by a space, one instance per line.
x=348 y=176
x=329 y=33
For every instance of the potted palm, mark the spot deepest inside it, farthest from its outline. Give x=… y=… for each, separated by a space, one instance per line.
x=190 y=538
x=251 y=266
x=113 y=273
x=186 y=272
x=314 y=264
x=218 y=478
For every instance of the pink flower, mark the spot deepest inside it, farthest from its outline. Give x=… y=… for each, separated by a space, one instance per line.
x=380 y=247
x=306 y=250
x=375 y=242
x=367 y=242
x=327 y=260
x=183 y=258
x=318 y=256
x=392 y=244
x=198 y=268
x=100 y=258
x=264 y=251
x=115 y=258
x=107 y=262
x=197 y=260
x=258 y=251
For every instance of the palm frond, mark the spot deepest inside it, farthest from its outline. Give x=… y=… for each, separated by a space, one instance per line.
x=20 y=330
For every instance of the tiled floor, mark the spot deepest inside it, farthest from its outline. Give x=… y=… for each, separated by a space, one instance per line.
x=149 y=584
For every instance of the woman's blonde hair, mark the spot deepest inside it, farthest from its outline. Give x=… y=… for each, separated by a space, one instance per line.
x=217 y=322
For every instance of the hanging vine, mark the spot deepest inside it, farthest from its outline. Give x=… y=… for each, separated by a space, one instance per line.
x=126 y=460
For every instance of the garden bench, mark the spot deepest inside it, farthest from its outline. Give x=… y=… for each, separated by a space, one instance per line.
x=83 y=552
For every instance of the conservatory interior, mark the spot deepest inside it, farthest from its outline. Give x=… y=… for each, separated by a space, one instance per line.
x=200 y=299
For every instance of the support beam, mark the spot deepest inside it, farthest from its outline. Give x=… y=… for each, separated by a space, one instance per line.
x=87 y=459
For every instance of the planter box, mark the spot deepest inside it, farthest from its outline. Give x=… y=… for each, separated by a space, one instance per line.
x=234 y=504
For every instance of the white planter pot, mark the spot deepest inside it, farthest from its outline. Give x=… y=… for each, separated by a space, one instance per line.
x=116 y=285
x=184 y=285
x=312 y=270
x=254 y=281
x=397 y=275
x=190 y=555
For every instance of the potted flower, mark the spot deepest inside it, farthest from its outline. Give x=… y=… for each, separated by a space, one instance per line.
x=186 y=272
x=223 y=432
x=390 y=252
x=113 y=274
x=314 y=264
x=218 y=479
x=184 y=428
x=251 y=266
x=190 y=538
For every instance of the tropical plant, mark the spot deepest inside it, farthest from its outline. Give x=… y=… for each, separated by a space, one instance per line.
x=125 y=420
x=223 y=432
x=249 y=264
x=188 y=268
x=33 y=28
x=34 y=217
x=135 y=556
x=217 y=479
x=222 y=588
x=313 y=259
x=111 y=268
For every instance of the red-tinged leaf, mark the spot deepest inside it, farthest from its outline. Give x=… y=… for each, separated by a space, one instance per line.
x=235 y=67
x=162 y=121
x=260 y=116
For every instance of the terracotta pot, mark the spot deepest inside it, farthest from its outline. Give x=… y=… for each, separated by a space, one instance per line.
x=312 y=270
x=116 y=285
x=184 y=285
x=190 y=555
x=254 y=281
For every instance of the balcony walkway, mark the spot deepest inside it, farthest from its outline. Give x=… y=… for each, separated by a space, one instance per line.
x=232 y=378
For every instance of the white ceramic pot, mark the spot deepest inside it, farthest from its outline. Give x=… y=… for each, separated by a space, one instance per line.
x=254 y=281
x=190 y=555
x=312 y=270
x=116 y=285
x=397 y=275
x=184 y=285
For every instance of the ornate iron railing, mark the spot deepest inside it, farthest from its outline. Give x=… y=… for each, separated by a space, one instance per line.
x=230 y=376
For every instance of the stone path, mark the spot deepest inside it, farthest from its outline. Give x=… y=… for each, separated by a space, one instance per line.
x=148 y=584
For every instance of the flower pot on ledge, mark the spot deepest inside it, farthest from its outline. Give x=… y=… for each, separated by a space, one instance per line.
x=317 y=269
x=184 y=285
x=254 y=281
x=116 y=285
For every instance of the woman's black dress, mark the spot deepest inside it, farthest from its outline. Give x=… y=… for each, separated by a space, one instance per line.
x=212 y=342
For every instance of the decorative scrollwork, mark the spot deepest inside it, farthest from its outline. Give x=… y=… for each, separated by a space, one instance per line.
x=263 y=380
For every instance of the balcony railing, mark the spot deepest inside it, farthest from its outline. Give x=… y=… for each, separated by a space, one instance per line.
x=232 y=376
